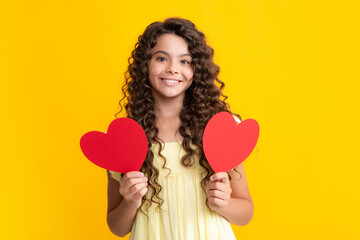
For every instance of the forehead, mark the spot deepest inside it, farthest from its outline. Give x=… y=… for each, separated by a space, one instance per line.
x=171 y=43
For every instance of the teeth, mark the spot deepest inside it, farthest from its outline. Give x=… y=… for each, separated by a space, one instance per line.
x=170 y=81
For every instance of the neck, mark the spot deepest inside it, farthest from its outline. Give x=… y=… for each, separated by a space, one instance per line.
x=168 y=107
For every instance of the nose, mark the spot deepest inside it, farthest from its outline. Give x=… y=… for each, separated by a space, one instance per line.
x=171 y=68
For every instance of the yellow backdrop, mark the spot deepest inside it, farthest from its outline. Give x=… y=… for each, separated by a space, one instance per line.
x=289 y=64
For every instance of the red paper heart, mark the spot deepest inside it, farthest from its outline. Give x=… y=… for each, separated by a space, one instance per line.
x=227 y=144
x=122 y=149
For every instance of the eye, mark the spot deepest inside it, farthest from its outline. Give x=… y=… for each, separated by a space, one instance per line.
x=185 y=61
x=161 y=59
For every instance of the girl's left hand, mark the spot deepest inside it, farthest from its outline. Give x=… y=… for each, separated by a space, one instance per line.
x=218 y=190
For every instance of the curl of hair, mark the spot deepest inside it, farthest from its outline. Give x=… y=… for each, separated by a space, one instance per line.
x=203 y=99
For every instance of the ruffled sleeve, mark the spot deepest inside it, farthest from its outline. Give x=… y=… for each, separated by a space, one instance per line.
x=237 y=119
x=115 y=175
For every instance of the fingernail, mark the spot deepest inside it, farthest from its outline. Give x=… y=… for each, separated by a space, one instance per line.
x=141 y=174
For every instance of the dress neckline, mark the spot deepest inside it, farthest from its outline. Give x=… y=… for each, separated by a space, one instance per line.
x=173 y=142
x=168 y=143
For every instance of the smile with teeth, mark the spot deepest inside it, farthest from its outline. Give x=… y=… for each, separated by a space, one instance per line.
x=170 y=80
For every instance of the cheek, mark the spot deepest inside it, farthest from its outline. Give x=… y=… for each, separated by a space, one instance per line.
x=152 y=74
x=189 y=74
x=189 y=84
x=189 y=77
x=153 y=68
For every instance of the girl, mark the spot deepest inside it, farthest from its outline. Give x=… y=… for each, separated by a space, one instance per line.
x=170 y=91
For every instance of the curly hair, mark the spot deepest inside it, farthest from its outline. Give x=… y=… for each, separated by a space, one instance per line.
x=203 y=99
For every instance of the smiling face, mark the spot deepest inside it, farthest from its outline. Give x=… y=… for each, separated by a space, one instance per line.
x=170 y=70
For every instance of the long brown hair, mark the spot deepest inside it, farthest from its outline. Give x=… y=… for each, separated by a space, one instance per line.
x=203 y=99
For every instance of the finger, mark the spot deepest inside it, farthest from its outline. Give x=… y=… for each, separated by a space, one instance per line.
x=139 y=194
x=133 y=181
x=220 y=176
x=129 y=175
x=125 y=188
x=217 y=186
x=218 y=194
x=143 y=191
x=217 y=202
x=137 y=188
x=132 y=174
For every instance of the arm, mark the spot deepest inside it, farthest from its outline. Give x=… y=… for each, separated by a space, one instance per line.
x=121 y=213
x=231 y=199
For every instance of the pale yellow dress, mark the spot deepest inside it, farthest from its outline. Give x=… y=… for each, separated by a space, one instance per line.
x=184 y=214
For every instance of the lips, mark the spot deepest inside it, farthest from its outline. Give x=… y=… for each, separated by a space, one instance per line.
x=171 y=82
x=170 y=79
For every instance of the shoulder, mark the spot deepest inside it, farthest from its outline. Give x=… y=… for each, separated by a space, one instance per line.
x=239 y=183
x=237 y=172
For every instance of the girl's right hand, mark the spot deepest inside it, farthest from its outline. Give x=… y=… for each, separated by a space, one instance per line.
x=133 y=188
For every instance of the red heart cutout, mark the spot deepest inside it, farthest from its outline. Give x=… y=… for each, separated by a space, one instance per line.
x=227 y=144
x=122 y=149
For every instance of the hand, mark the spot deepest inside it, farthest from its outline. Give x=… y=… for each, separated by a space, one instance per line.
x=133 y=188
x=218 y=191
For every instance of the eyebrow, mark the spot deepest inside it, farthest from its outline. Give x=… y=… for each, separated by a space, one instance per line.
x=181 y=55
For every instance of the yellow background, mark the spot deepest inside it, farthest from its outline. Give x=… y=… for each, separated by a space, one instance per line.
x=292 y=65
